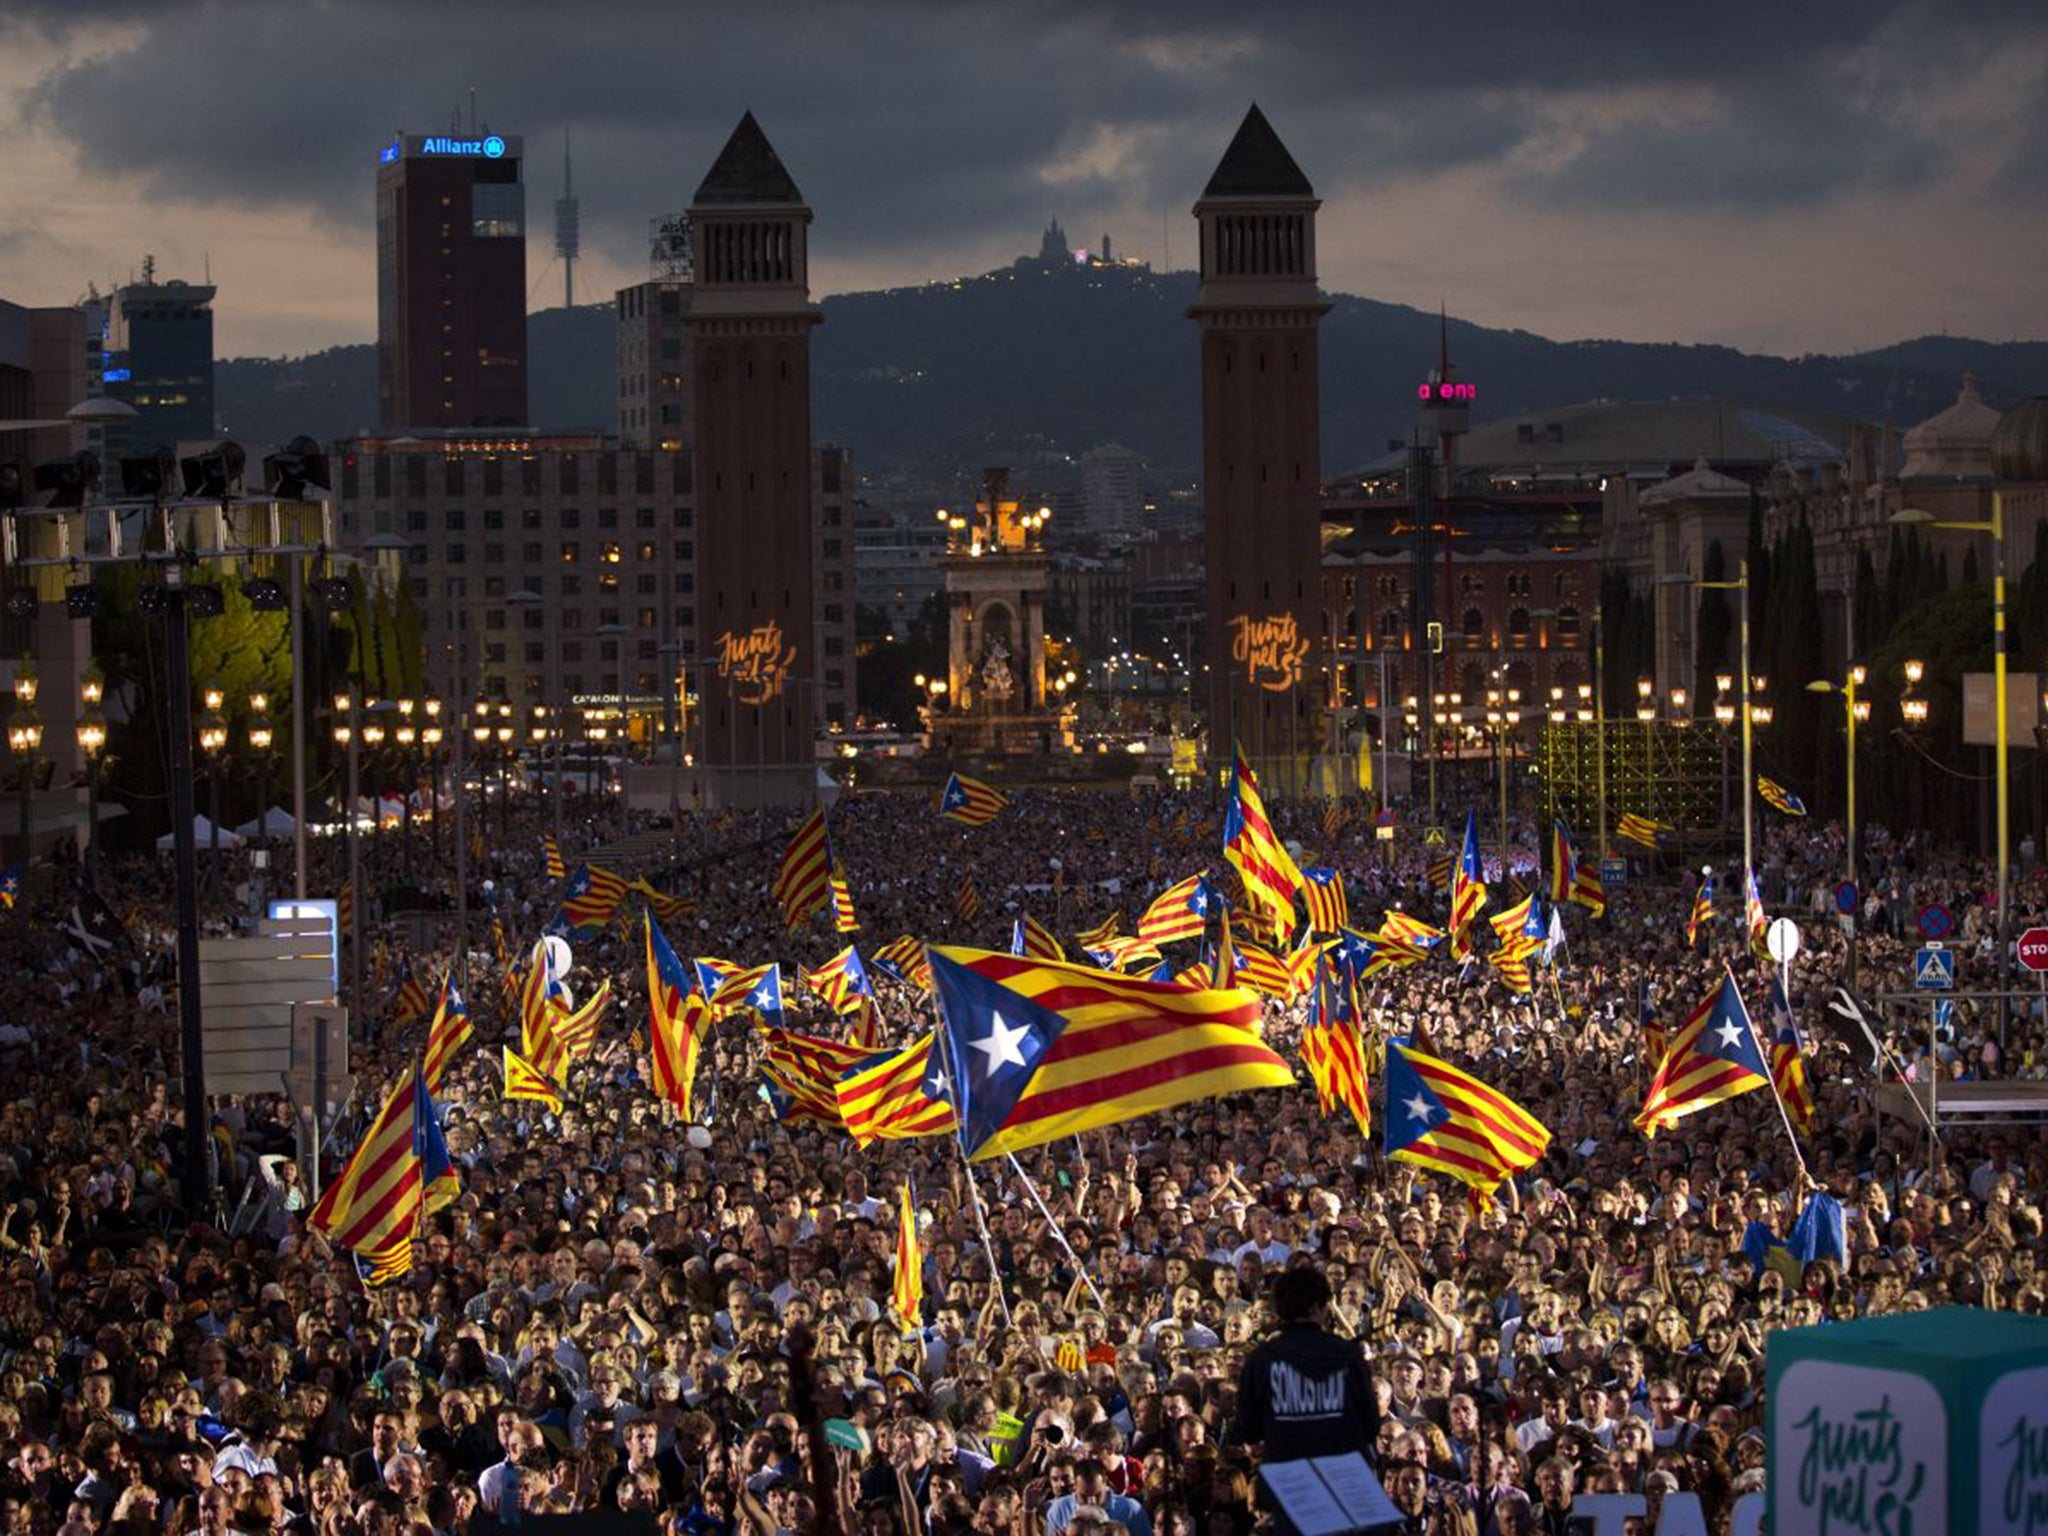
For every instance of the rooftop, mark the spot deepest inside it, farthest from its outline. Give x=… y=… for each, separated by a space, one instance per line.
x=747 y=170
x=1257 y=164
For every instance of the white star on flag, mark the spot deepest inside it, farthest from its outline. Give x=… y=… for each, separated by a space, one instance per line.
x=1000 y=1045
x=936 y=1085
x=765 y=996
x=1730 y=1034
x=1417 y=1107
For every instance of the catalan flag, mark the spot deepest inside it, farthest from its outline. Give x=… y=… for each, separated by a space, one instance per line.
x=1468 y=880
x=1788 y=1060
x=1323 y=893
x=1442 y=1118
x=1101 y=933
x=552 y=1034
x=1564 y=863
x=844 y=919
x=412 y=1002
x=966 y=899
x=379 y=1196
x=896 y=1095
x=803 y=884
x=1032 y=939
x=1588 y=889
x=1437 y=873
x=1644 y=830
x=446 y=1035
x=1181 y=911
x=807 y=1068
x=842 y=981
x=387 y=1266
x=1250 y=844
x=1754 y=918
x=1712 y=1057
x=666 y=908
x=1335 y=814
x=866 y=1029
x=523 y=1080
x=1401 y=927
x=678 y=1022
x=1778 y=797
x=902 y=959
x=1301 y=963
x=1333 y=1052
x=439 y=1186
x=969 y=801
x=1702 y=908
x=551 y=855
x=1126 y=954
x=1046 y=1051
x=1223 y=971
x=1363 y=955
x=589 y=901
x=906 y=1286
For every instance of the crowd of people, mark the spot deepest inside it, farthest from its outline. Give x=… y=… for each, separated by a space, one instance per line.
x=624 y=1312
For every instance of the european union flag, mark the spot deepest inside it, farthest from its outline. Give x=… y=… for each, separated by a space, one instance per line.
x=996 y=1038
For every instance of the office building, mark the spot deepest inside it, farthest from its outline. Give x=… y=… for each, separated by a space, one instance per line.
x=1112 y=491
x=654 y=364
x=451 y=282
x=156 y=354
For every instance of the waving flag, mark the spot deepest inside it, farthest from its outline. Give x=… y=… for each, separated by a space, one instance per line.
x=678 y=1021
x=1442 y=1118
x=969 y=801
x=1322 y=893
x=10 y=885
x=1702 y=908
x=1126 y=954
x=902 y=959
x=1101 y=933
x=1223 y=969
x=1588 y=889
x=523 y=1080
x=1437 y=873
x=1268 y=871
x=1645 y=830
x=1520 y=934
x=1046 y=1051
x=897 y=1095
x=807 y=1068
x=1778 y=797
x=1364 y=955
x=966 y=899
x=439 y=1186
x=446 y=1035
x=555 y=1037
x=906 y=1286
x=842 y=981
x=666 y=908
x=1032 y=939
x=379 y=1196
x=551 y=855
x=1712 y=1057
x=589 y=901
x=1564 y=863
x=1755 y=919
x=1788 y=1060
x=1333 y=1051
x=385 y=1267
x=1181 y=911
x=843 y=918
x=803 y=883
x=1468 y=883
x=412 y=1002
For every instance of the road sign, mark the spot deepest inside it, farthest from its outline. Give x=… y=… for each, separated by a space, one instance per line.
x=1934 y=968
x=1847 y=897
x=1781 y=939
x=1614 y=872
x=1433 y=837
x=2034 y=949
x=1936 y=923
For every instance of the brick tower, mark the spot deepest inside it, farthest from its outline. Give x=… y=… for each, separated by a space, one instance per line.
x=1259 y=309
x=750 y=325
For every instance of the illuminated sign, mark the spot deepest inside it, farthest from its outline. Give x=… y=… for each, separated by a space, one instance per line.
x=1270 y=650
x=1438 y=394
x=489 y=147
x=755 y=664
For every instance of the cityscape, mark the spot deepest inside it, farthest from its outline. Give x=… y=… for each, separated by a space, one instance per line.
x=698 y=849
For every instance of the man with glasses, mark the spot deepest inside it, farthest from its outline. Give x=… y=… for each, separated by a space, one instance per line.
x=1669 y=1428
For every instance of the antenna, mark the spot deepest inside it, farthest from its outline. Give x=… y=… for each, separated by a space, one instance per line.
x=568 y=228
x=472 y=109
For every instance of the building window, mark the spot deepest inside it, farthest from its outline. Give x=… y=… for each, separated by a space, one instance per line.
x=1474 y=626
x=1568 y=623
x=571 y=551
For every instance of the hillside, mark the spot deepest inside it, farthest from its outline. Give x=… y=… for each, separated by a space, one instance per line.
x=1032 y=366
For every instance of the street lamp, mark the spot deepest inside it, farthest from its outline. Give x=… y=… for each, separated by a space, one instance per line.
x=1913 y=517
x=92 y=741
x=25 y=740
x=1854 y=712
x=430 y=755
x=347 y=735
x=1753 y=715
x=1912 y=707
x=213 y=740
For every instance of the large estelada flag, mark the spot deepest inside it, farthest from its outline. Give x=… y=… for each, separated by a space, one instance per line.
x=1269 y=872
x=1046 y=1050
x=969 y=801
x=898 y=1094
x=1713 y=1056
x=379 y=1196
x=678 y=1020
x=446 y=1035
x=1441 y=1118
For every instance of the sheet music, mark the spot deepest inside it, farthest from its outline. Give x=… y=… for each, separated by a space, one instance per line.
x=1357 y=1490
x=1305 y=1499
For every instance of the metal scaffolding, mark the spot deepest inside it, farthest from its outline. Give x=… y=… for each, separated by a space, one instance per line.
x=1668 y=773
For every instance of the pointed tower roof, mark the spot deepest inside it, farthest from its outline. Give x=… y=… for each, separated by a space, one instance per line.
x=1257 y=164
x=747 y=170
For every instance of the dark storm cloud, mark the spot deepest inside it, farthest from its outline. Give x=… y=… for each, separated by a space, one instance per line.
x=934 y=125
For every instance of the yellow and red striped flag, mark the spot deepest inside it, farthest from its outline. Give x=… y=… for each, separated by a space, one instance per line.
x=412 y=1002
x=842 y=981
x=1713 y=1056
x=906 y=1287
x=1181 y=911
x=897 y=1096
x=1788 y=1060
x=1468 y=882
x=1031 y=938
x=803 y=884
x=1442 y=1118
x=590 y=900
x=678 y=1021
x=1101 y=933
x=446 y=1035
x=966 y=899
x=1322 y=893
x=969 y=801
x=1269 y=872
x=902 y=959
x=1045 y=1051
x=523 y=1080
x=843 y=918
x=551 y=854
x=1331 y=1049
x=379 y=1196
x=1257 y=967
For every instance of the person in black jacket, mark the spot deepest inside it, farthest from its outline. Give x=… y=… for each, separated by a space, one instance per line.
x=1305 y=1391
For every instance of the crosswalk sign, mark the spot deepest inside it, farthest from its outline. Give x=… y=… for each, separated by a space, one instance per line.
x=1934 y=968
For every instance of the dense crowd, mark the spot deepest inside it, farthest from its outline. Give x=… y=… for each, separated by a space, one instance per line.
x=624 y=1312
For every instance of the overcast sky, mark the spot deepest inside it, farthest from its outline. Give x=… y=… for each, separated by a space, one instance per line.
x=1781 y=175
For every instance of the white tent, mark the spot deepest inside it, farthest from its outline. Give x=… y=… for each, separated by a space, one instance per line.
x=276 y=822
x=202 y=834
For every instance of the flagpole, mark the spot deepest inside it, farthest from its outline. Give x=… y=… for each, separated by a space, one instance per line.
x=988 y=1247
x=1772 y=1078
x=1058 y=1234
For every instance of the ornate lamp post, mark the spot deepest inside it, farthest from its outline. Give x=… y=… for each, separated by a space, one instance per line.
x=213 y=740
x=430 y=755
x=405 y=740
x=261 y=737
x=92 y=742
x=25 y=740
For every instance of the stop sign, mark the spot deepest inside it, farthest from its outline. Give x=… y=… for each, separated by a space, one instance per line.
x=2034 y=949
